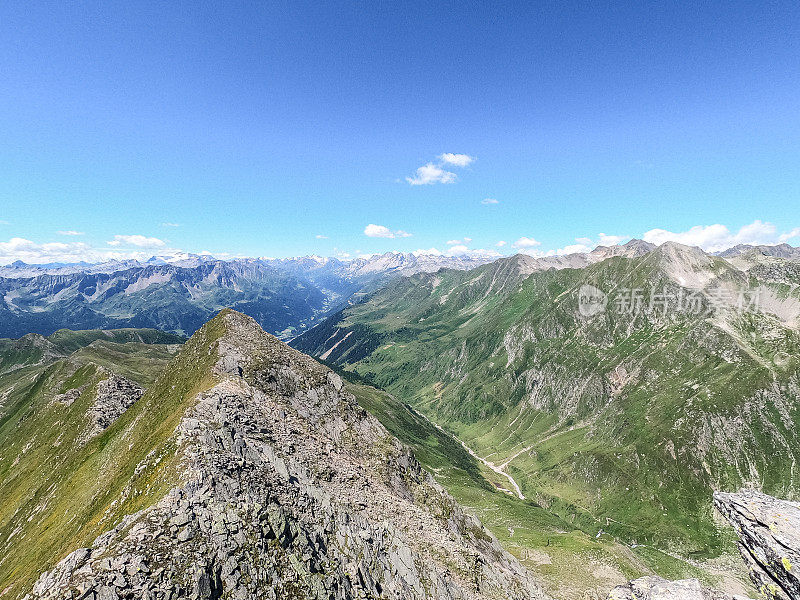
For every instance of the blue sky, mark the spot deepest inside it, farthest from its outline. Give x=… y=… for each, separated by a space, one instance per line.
x=257 y=127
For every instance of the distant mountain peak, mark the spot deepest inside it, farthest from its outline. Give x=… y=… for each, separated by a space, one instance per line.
x=782 y=250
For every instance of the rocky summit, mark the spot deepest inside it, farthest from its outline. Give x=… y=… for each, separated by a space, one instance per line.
x=276 y=485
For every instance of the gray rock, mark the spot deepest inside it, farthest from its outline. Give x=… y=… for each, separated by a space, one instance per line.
x=115 y=395
x=107 y=593
x=769 y=534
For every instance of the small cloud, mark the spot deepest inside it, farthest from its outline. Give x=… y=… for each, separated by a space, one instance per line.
x=457 y=160
x=461 y=250
x=611 y=240
x=379 y=231
x=140 y=241
x=430 y=174
x=4 y=222
x=490 y=201
x=436 y=172
x=526 y=242
x=465 y=240
x=428 y=252
x=70 y=232
x=500 y=244
x=170 y=224
x=321 y=237
x=785 y=237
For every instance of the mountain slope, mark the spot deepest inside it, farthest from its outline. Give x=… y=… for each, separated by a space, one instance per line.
x=34 y=349
x=53 y=412
x=623 y=420
x=247 y=470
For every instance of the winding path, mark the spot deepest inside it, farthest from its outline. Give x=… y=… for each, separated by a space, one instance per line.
x=499 y=470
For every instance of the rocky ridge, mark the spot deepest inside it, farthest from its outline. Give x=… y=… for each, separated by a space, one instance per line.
x=286 y=488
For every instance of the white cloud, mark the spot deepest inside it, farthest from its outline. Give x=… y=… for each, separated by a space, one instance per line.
x=32 y=252
x=785 y=237
x=465 y=240
x=457 y=160
x=436 y=172
x=64 y=252
x=379 y=231
x=572 y=249
x=716 y=238
x=321 y=237
x=610 y=240
x=460 y=250
x=429 y=251
x=500 y=244
x=139 y=241
x=70 y=232
x=490 y=201
x=582 y=246
x=526 y=242
x=464 y=250
x=170 y=225
x=29 y=251
x=430 y=174
x=4 y=222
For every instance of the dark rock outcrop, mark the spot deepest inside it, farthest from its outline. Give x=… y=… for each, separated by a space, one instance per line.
x=769 y=534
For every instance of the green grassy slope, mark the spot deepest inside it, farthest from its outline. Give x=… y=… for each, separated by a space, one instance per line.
x=35 y=349
x=57 y=491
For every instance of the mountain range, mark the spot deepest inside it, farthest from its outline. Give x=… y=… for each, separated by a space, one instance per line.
x=584 y=407
x=179 y=294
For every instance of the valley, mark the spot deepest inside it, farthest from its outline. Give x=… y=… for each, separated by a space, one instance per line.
x=622 y=424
